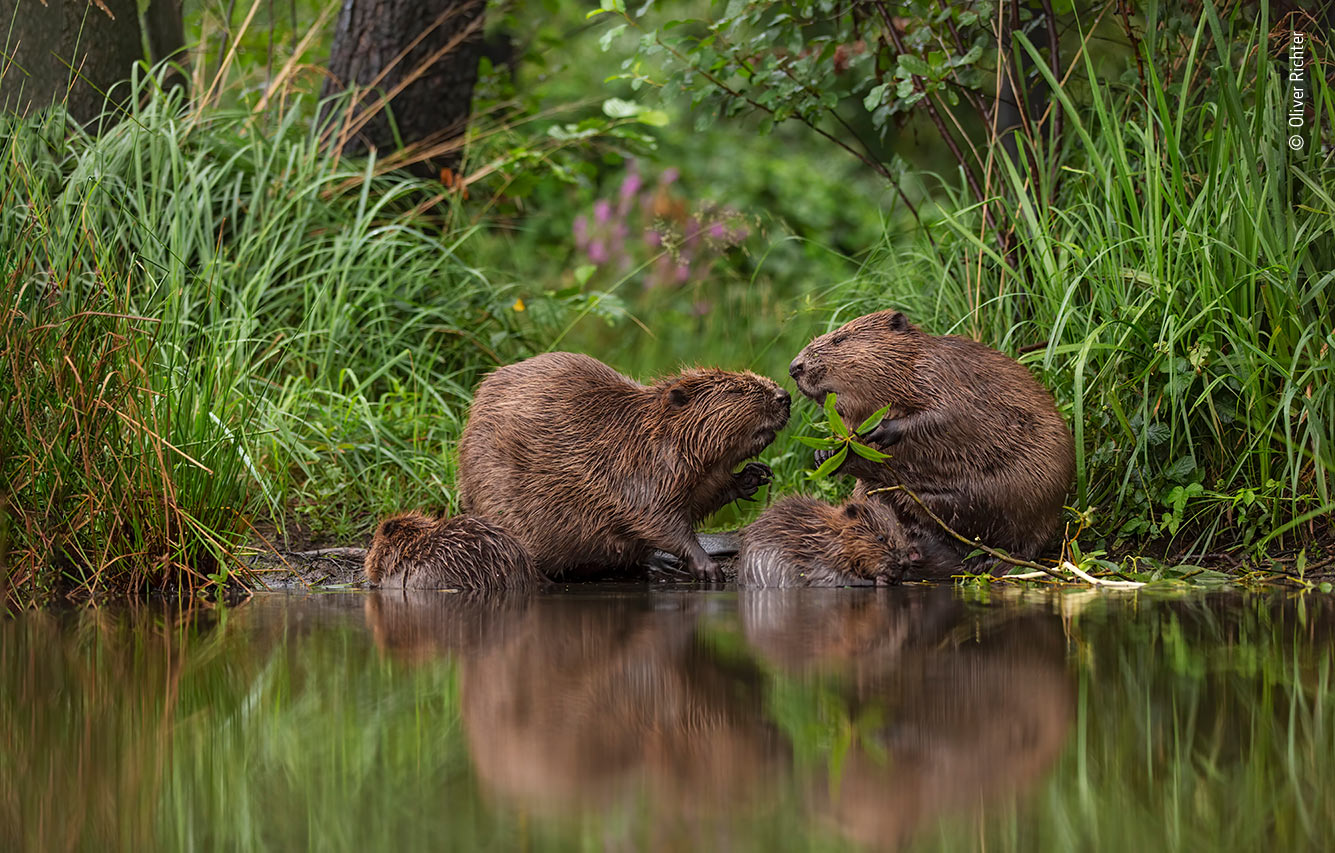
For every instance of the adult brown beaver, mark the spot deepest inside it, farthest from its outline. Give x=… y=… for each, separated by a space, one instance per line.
x=804 y=542
x=971 y=431
x=592 y=471
x=416 y=551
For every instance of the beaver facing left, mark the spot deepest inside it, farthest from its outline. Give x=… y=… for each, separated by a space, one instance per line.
x=415 y=551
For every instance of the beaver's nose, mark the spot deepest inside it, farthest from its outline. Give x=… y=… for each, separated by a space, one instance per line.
x=795 y=369
x=785 y=398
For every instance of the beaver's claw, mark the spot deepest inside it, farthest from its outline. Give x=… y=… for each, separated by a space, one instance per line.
x=752 y=476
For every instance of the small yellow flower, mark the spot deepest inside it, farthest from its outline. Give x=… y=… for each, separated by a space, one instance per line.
x=519 y=305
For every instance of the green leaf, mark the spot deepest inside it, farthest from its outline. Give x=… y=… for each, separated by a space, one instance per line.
x=605 y=40
x=656 y=118
x=868 y=452
x=873 y=420
x=875 y=96
x=832 y=414
x=914 y=65
x=829 y=466
x=818 y=442
x=617 y=108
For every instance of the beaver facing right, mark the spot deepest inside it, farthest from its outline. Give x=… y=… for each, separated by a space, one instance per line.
x=804 y=542
x=416 y=551
x=592 y=471
x=971 y=431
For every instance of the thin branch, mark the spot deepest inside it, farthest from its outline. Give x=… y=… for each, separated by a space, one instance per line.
x=930 y=106
x=876 y=165
x=986 y=549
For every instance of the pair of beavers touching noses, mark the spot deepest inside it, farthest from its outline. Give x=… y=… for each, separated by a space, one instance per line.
x=568 y=469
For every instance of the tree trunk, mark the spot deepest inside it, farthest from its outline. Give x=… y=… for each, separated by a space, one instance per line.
x=166 y=37
x=71 y=52
x=430 y=89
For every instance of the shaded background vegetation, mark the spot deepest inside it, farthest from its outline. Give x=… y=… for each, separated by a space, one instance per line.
x=216 y=326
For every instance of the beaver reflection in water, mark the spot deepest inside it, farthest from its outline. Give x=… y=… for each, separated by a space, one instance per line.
x=613 y=705
x=962 y=708
x=591 y=703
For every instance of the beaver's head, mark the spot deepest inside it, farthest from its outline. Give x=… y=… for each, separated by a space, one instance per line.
x=393 y=536
x=873 y=542
x=868 y=363
x=720 y=417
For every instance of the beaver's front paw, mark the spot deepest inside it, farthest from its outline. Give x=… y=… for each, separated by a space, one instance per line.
x=707 y=570
x=888 y=432
x=752 y=477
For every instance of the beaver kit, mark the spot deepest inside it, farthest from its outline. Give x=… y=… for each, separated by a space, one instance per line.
x=416 y=551
x=592 y=471
x=804 y=542
x=972 y=433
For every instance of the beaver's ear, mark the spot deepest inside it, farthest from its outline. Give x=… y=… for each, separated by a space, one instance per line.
x=852 y=510
x=898 y=322
x=677 y=396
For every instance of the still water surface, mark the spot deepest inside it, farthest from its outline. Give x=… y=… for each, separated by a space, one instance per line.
x=634 y=718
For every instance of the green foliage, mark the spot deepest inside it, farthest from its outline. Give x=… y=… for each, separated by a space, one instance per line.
x=838 y=441
x=207 y=316
x=1174 y=294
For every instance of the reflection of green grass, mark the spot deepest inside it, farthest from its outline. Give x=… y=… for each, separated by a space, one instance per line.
x=1200 y=724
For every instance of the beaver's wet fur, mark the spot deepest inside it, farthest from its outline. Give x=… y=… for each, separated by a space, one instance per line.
x=971 y=431
x=592 y=471
x=804 y=542
x=417 y=551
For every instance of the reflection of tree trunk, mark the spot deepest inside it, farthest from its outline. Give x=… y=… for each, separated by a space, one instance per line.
x=423 y=55
x=68 y=51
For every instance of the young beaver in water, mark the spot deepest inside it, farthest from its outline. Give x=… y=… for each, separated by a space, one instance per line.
x=593 y=471
x=971 y=431
x=804 y=542
x=416 y=551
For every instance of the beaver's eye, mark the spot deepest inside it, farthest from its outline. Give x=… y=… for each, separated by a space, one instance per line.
x=880 y=539
x=839 y=339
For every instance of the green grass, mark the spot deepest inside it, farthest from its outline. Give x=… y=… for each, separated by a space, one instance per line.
x=1175 y=291
x=211 y=323
x=207 y=318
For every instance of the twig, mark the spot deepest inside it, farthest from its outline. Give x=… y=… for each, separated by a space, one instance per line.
x=1086 y=576
x=991 y=552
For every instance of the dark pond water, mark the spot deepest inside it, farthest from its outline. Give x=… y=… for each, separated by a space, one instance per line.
x=674 y=719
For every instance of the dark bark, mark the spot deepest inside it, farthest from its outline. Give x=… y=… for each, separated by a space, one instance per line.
x=68 y=51
x=166 y=38
x=430 y=87
x=165 y=30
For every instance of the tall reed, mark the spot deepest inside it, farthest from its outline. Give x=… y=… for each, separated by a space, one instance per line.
x=207 y=315
x=1175 y=292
